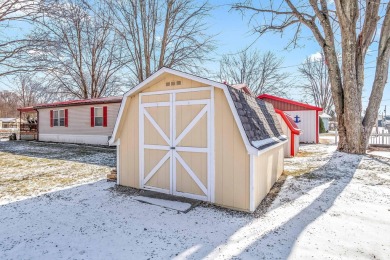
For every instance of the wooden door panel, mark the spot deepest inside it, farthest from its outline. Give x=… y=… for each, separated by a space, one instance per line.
x=151 y=135
x=184 y=182
x=161 y=117
x=197 y=136
x=184 y=116
x=161 y=179
x=181 y=141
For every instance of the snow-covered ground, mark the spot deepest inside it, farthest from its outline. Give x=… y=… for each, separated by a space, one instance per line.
x=32 y=168
x=331 y=206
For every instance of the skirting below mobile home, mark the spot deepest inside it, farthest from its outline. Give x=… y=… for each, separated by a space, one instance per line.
x=76 y=139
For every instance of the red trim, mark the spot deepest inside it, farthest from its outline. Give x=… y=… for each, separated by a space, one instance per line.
x=66 y=117
x=26 y=109
x=317 y=128
x=105 y=116
x=38 y=125
x=93 y=101
x=294 y=131
x=292 y=145
x=51 y=118
x=309 y=107
x=92 y=116
x=290 y=126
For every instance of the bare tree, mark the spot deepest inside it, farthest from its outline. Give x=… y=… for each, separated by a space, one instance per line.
x=14 y=47
x=317 y=86
x=261 y=72
x=31 y=91
x=8 y=104
x=357 y=22
x=81 y=52
x=167 y=33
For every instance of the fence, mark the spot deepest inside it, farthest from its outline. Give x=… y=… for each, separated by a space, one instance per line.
x=382 y=138
x=5 y=133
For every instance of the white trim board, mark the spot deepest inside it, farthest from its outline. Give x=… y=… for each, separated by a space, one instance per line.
x=172 y=141
x=212 y=84
x=118 y=147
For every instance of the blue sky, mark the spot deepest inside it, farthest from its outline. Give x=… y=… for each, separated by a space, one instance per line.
x=234 y=34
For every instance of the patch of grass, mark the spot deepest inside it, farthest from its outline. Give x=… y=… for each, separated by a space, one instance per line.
x=306 y=154
x=301 y=172
x=326 y=141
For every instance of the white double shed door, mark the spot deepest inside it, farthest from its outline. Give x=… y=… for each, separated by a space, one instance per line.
x=176 y=142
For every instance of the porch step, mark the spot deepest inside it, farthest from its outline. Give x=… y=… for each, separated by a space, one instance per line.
x=112 y=176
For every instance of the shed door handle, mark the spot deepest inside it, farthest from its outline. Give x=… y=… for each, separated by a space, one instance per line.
x=173 y=148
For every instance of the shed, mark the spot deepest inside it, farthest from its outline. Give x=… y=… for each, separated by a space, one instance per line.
x=189 y=136
x=86 y=121
x=304 y=115
x=325 y=119
x=291 y=130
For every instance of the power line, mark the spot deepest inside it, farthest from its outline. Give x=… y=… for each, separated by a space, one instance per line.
x=316 y=61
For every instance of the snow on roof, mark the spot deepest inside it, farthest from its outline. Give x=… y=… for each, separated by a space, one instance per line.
x=324 y=115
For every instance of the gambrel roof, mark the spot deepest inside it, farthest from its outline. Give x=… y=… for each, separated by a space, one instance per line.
x=256 y=120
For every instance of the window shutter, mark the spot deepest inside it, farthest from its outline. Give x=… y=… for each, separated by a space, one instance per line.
x=92 y=116
x=51 y=118
x=105 y=116
x=66 y=117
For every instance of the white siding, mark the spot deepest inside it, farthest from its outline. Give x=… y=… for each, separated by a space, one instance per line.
x=296 y=144
x=79 y=128
x=307 y=124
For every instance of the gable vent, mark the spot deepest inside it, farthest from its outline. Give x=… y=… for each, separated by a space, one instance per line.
x=178 y=82
x=167 y=84
x=173 y=83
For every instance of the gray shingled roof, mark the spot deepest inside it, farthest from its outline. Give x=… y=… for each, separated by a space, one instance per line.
x=258 y=119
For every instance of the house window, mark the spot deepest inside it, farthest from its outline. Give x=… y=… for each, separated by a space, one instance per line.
x=62 y=117
x=59 y=118
x=98 y=116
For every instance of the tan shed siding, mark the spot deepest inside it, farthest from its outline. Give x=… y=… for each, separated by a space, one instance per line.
x=231 y=158
x=267 y=169
x=155 y=98
x=193 y=95
x=128 y=131
x=79 y=120
x=185 y=83
x=129 y=147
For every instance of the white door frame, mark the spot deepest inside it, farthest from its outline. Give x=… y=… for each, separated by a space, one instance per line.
x=174 y=157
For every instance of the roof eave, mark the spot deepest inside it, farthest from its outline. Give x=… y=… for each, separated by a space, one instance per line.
x=260 y=152
x=310 y=107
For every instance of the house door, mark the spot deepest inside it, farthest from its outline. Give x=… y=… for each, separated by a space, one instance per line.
x=175 y=144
